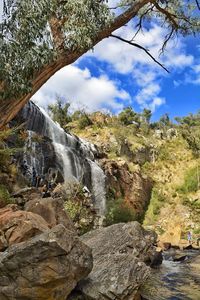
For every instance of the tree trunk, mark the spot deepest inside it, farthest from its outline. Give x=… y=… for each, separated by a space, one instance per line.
x=10 y=107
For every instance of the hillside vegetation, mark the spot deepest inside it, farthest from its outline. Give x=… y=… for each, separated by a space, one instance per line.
x=166 y=151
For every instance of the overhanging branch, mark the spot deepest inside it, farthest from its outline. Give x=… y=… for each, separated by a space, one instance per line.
x=122 y=19
x=198 y=4
x=168 y=15
x=142 y=48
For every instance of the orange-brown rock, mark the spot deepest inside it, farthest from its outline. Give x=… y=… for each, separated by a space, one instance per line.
x=52 y=210
x=17 y=226
x=164 y=245
x=134 y=188
x=24 y=195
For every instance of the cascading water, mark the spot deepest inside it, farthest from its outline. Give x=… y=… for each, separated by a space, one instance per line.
x=73 y=157
x=62 y=149
x=98 y=185
x=33 y=155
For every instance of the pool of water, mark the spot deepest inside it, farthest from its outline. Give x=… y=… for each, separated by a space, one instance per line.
x=175 y=280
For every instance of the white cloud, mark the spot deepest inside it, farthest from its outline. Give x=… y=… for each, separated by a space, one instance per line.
x=147 y=97
x=196 y=68
x=147 y=75
x=124 y=57
x=83 y=90
x=157 y=101
x=193 y=77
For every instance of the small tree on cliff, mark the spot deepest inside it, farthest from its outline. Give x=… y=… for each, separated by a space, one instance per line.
x=60 y=112
x=146 y=115
x=129 y=116
x=38 y=38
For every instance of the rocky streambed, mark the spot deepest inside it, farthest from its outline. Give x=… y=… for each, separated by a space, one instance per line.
x=178 y=278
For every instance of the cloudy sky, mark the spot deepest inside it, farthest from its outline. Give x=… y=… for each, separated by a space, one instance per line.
x=115 y=75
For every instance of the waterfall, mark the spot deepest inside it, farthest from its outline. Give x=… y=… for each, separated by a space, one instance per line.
x=98 y=185
x=33 y=155
x=72 y=156
x=62 y=145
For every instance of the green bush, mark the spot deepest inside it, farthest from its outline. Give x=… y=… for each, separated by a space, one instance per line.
x=196 y=231
x=156 y=203
x=119 y=212
x=165 y=153
x=5 y=197
x=128 y=116
x=84 y=121
x=193 y=204
x=191 y=182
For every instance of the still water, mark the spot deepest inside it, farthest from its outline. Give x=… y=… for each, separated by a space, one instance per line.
x=175 y=280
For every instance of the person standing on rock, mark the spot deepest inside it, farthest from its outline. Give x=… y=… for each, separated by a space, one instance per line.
x=189 y=237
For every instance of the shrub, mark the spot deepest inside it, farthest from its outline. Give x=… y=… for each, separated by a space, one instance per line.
x=128 y=116
x=84 y=121
x=156 y=202
x=164 y=154
x=80 y=215
x=119 y=212
x=191 y=182
x=193 y=204
x=196 y=231
x=5 y=151
x=5 y=197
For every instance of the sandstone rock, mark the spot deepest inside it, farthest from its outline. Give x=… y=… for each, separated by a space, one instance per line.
x=119 y=252
x=52 y=210
x=18 y=226
x=188 y=247
x=179 y=257
x=164 y=245
x=46 y=267
x=172 y=234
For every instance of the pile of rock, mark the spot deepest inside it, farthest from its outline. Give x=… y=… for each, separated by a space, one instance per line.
x=41 y=256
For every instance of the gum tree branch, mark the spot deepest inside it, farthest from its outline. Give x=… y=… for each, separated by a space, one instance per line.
x=142 y=48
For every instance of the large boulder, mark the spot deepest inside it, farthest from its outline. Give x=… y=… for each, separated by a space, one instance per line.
x=52 y=210
x=17 y=226
x=119 y=253
x=47 y=266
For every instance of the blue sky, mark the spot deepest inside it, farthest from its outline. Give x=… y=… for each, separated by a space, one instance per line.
x=115 y=75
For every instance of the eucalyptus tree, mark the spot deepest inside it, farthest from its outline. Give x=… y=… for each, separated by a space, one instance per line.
x=39 y=37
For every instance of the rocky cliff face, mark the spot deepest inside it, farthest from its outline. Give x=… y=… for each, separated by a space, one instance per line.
x=134 y=188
